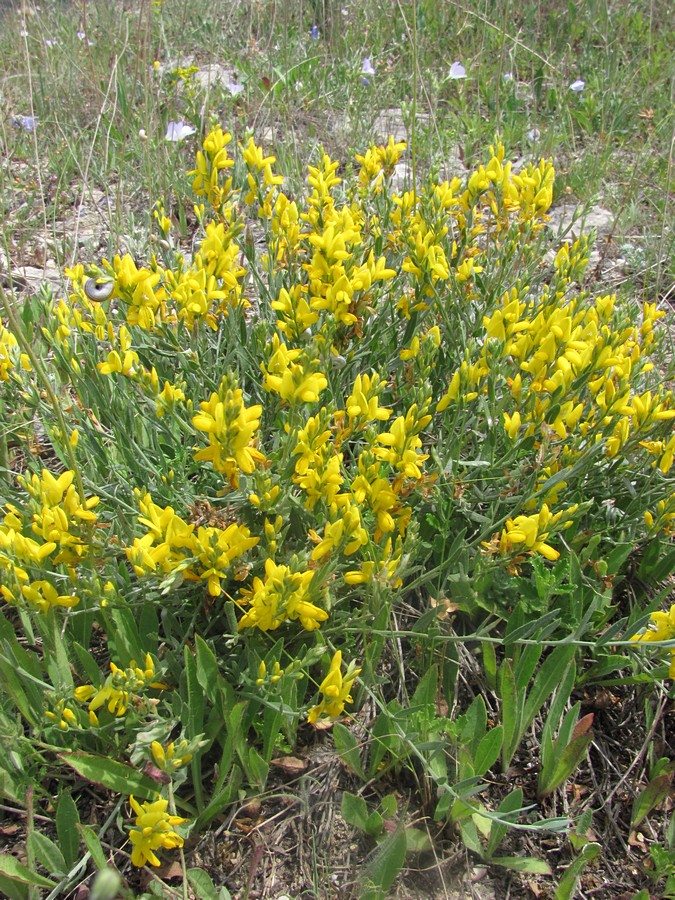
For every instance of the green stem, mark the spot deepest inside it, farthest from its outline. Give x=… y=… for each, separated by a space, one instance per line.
x=172 y=810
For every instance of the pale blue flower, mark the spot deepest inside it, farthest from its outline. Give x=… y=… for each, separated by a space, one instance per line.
x=577 y=86
x=315 y=32
x=234 y=88
x=367 y=68
x=28 y=123
x=176 y=131
x=457 y=70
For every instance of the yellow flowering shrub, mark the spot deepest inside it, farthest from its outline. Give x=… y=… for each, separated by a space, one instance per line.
x=262 y=465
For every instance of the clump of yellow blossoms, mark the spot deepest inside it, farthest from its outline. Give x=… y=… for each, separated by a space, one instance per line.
x=289 y=444
x=336 y=690
x=155 y=830
x=661 y=627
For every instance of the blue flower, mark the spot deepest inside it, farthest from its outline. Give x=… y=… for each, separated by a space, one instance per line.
x=176 y=131
x=28 y=123
x=315 y=32
x=366 y=68
x=457 y=70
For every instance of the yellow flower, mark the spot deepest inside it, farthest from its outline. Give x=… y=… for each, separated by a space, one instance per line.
x=283 y=595
x=44 y=596
x=661 y=628
x=231 y=427
x=172 y=758
x=336 y=689
x=154 y=830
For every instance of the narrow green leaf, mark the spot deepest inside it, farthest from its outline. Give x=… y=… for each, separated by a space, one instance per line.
x=94 y=847
x=522 y=864
x=509 y=809
x=15 y=870
x=545 y=682
x=219 y=801
x=67 y=820
x=648 y=799
x=490 y=664
x=488 y=750
x=207 y=668
x=257 y=769
x=567 y=762
x=383 y=867
x=195 y=697
x=568 y=883
x=347 y=747
x=110 y=774
x=47 y=853
x=511 y=713
x=13 y=890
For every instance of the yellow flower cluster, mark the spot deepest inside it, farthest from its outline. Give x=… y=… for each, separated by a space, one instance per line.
x=155 y=830
x=60 y=523
x=231 y=427
x=530 y=533
x=122 y=688
x=283 y=595
x=661 y=628
x=171 y=544
x=9 y=354
x=336 y=690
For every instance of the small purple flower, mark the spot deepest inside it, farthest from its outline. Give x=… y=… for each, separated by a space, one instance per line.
x=457 y=70
x=578 y=86
x=50 y=43
x=176 y=131
x=315 y=32
x=367 y=68
x=234 y=88
x=83 y=37
x=28 y=123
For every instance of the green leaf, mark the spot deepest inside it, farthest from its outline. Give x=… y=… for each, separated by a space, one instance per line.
x=475 y=723
x=545 y=682
x=511 y=712
x=347 y=747
x=13 y=890
x=656 y=791
x=219 y=801
x=567 y=762
x=522 y=864
x=107 y=884
x=47 y=853
x=13 y=869
x=417 y=841
x=202 y=885
x=509 y=809
x=195 y=697
x=374 y=824
x=93 y=845
x=568 y=883
x=110 y=774
x=67 y=820
x=207 y=668
x=488 y=750
x=383 y=867
x=490 y=664
x=354 y=810
x=257 y=769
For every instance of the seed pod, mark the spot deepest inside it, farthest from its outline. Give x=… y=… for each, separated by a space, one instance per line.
x=98 y=291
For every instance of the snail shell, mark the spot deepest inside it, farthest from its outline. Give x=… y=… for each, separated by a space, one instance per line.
x=98 y=291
